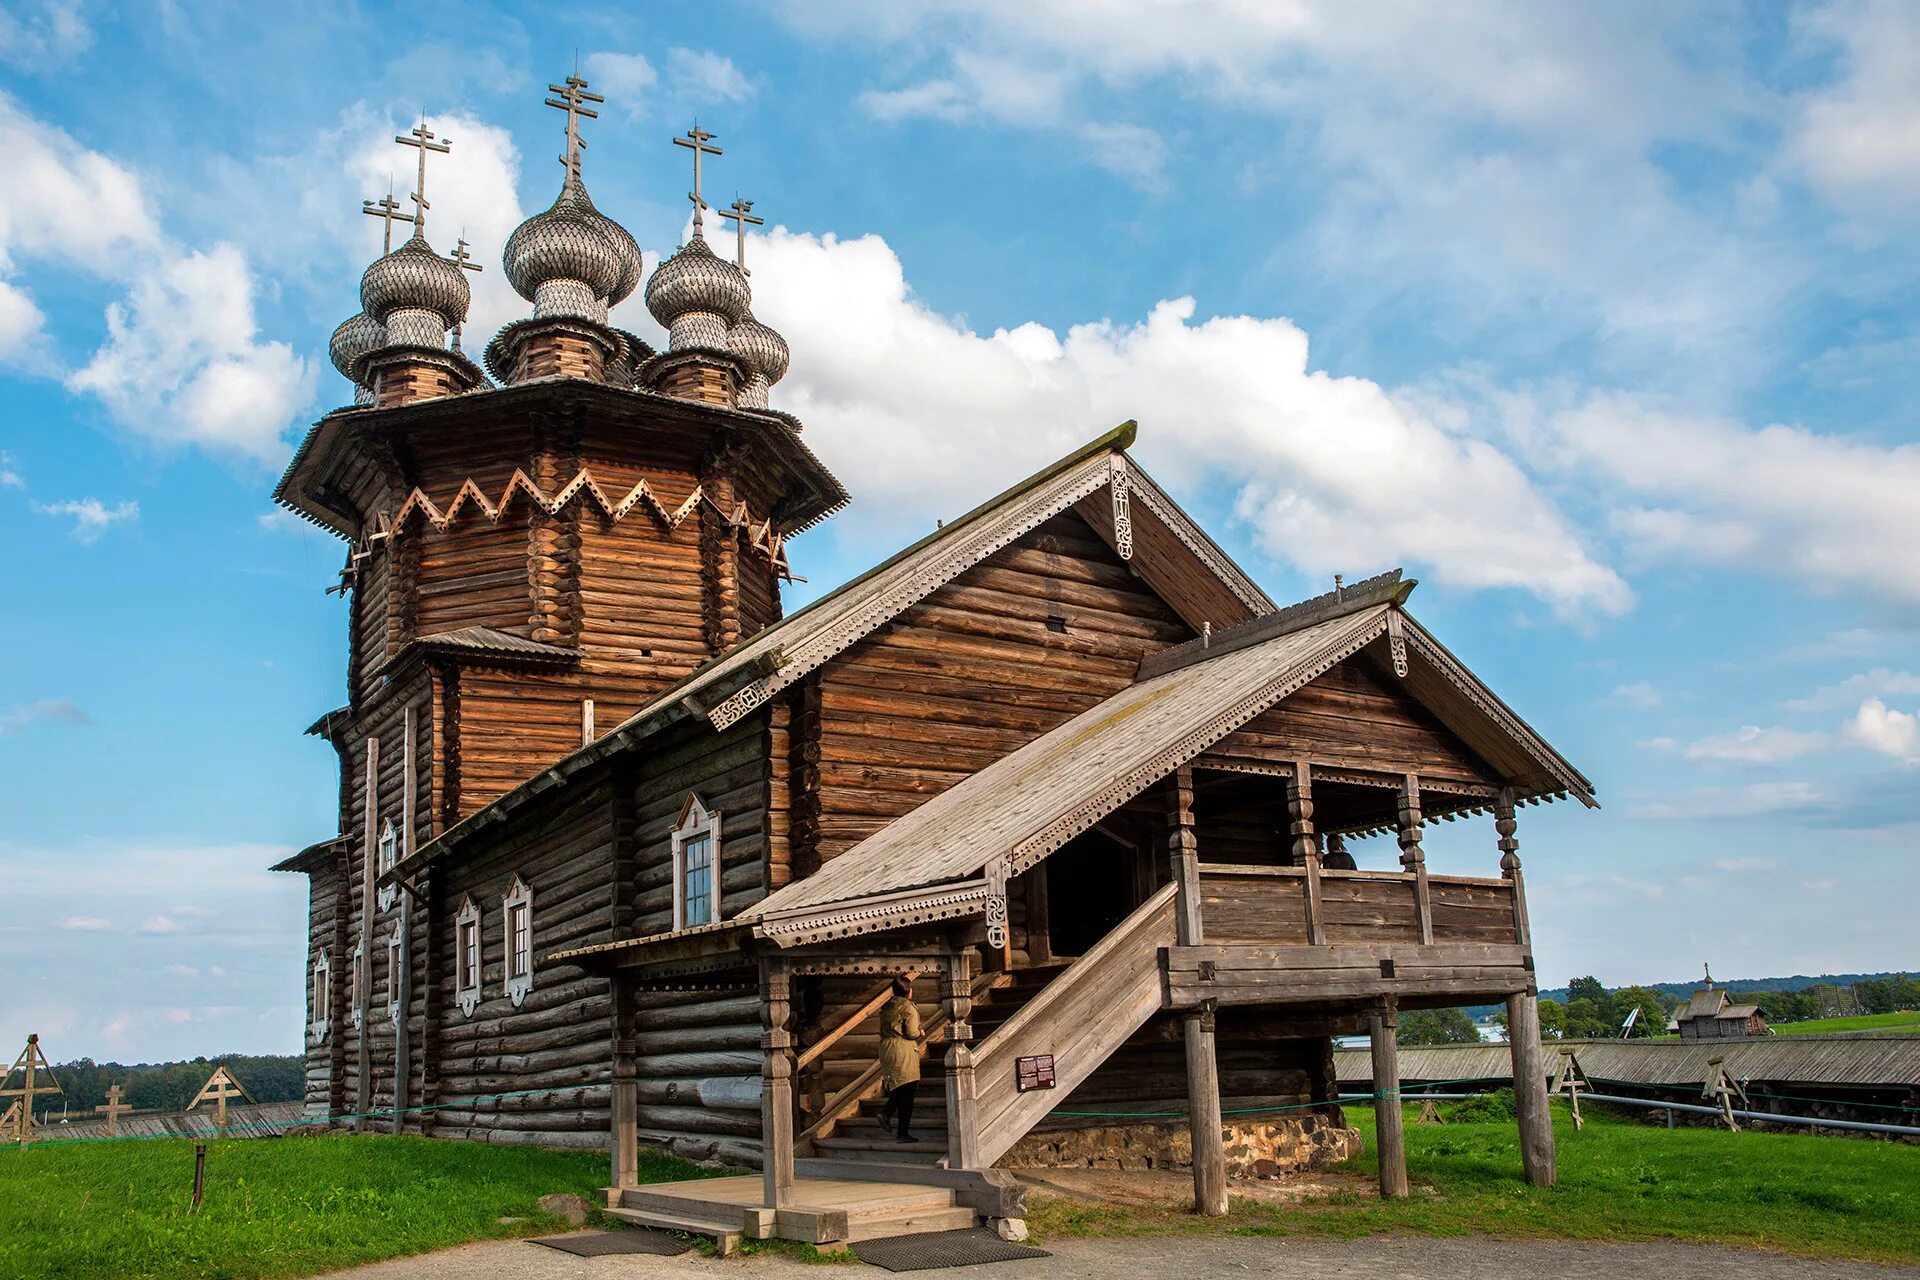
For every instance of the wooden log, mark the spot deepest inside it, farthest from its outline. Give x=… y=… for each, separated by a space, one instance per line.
x=1390 y=1134
x=1530 y=1089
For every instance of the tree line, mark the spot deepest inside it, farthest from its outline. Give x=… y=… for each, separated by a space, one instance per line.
x=169 y=1086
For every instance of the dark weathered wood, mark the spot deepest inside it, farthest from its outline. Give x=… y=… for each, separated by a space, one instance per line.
x=1530 y=1089
x=1389 y=1132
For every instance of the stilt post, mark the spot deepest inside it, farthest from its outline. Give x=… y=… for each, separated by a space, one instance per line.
x=1530 y=1088
x=1382 y=1021
x=776 y=1106
x=956 y=980
x=1203 y=1072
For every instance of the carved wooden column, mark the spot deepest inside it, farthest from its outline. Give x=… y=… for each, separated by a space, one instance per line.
x=1203 y=1071
x=956 y=982
x=1413 y=858
x=1306 y=845
x=1509 y=847
x=776 y=1103
x=626 y=1093
x=1390 y=1135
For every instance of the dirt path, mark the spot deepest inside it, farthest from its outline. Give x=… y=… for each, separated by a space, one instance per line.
x=1124 y=1258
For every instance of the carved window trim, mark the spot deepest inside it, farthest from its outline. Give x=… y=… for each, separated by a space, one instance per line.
x=321 y=994
x=396 y=970
x=698 y=831
x=467 y=957
x=516 y=935
x=358 y=1014
x=387 y=854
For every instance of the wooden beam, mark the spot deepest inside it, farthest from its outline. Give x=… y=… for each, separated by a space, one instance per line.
x=1387 y=588
x=626 y=1094
x=1306 y=845
x=963 y=1123
x=1203 y=1071
x=1382 y=1021
x=776 y=1116
x=1530 y=1088
x=1412 y=856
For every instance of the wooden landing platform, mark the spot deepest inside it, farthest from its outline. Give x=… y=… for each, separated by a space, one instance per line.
x=826 y=1212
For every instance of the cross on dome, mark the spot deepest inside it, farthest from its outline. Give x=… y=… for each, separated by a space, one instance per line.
x=424 y=140
x=696 y=141
x=572 y=99
x=387 y=209
x=741 y=211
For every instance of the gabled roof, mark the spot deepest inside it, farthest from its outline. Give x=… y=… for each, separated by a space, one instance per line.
x=1025 y=805
x=1704 y=1003
x=731 y=686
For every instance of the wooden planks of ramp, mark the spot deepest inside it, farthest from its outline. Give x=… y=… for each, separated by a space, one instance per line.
x=826 y=1212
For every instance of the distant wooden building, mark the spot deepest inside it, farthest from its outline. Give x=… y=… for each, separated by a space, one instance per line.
x=626 y=855
x=1711 y=1014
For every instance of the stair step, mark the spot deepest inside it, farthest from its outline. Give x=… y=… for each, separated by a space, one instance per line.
x=725 y=1235
x=910 y=1223
x=882 y=1148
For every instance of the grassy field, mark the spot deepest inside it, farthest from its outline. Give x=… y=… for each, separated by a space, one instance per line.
x=1619 y=1180
x=1908 y=1021
x=290 y=1207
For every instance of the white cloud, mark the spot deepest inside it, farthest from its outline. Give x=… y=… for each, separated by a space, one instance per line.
x=1879 y=728
x=181 y=971
x=1752 y=744
x=1639 y=695
x=86 y=924
x=21 y=325
x=10 y=478
x=693 y=78
x=1331 y=474
x=158 y=924
x=183 y=364
x=91 y=517
x=1658 y=744
x=1734 y=866
x=56 y=709
x=47 y=32
x=624 y=79
x=1857 y=139
x=1877 y=683
x=1735 y=804
x=697 y=75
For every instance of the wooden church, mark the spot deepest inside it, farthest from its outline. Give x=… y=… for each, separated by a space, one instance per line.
x=628 y=857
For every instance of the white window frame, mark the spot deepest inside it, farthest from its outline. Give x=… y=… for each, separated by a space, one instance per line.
x=322 y=993
x=466 y=978
x=360 y=984
x=696 y=821
x=387 y=855
x=396 y=969
x=518 y=969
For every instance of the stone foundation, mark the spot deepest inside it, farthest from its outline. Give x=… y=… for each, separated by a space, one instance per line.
x=1255 y=1149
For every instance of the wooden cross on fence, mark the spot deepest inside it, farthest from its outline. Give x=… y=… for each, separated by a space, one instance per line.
x=30 y=1063
x=1723 y=1089
x=113 y=1109
x=219 y=1087
x=1570 y=1080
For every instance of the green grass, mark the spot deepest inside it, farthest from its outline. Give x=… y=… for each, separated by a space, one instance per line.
x=1908 y=1021
x=1619 y=1180
x=285 y=1207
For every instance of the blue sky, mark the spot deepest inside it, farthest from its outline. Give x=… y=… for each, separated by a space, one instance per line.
x=1601 y=321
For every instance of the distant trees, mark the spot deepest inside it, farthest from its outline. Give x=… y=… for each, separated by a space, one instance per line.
x=1437 y=1026
x=1890 y=994
x=170 y=1086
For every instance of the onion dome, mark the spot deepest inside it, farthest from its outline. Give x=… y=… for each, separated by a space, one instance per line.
x=567 y=261
x=357 y=335
x=697 y=296
x=765 y=354
x=417 y=294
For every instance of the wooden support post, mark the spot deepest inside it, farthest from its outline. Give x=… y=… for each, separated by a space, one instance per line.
x=363 y=968
x=776 y=1106
x=1413 y=858
x=1306 y=845
x=626 y=1094
x=1203 y=1071
x=1530 y=1088
x=1382 y=1020
x=1039 y=916
x=401 y=982
x=963 y=1122
x=1504 y=825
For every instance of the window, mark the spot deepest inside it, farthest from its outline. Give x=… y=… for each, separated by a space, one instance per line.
x=322 y=1002
x=389 y=853
x=517 y=924
x=359 y=982
x=466 y=962
x=396 y=971
x=696 y=866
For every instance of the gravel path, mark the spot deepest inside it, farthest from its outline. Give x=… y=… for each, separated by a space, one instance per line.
x=1120 y=1258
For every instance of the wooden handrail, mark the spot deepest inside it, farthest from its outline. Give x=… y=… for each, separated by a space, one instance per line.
x=864 y=1085
x=1231 y=869
x=866 y=1010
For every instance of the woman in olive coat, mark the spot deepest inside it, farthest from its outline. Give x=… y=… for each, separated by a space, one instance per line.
x=900 y=1056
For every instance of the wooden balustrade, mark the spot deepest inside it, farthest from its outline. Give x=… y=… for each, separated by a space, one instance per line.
x=1273 y=906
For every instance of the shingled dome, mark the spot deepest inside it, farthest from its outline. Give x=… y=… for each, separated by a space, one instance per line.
x=697 y=296
x=357 y=335
x=415 y=278
x=765 y=354
x=569 y=260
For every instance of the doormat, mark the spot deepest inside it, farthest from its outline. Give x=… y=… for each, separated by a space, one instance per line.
x=601 y=1244
x=966 y=1248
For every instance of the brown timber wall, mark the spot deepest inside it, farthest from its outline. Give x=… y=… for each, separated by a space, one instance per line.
x=474 y=575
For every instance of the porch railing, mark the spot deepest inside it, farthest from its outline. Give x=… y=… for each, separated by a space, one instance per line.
x=1281 y=906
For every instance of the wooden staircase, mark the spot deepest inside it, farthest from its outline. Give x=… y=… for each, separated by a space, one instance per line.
x=828 y=1212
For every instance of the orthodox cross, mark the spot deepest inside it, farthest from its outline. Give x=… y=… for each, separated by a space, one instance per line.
x=423 y=140
x=463 y=260
x=741 y=213
x=31 y=1062
x=573 y=100
x=387 y=209
x=696 y=141
x=219 y=1087
x=113 y=1109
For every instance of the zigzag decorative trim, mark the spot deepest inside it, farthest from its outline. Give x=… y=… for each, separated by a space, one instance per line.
x=963 y=553
x=759 y=536
x=1223 y=568
x=1147 y=772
